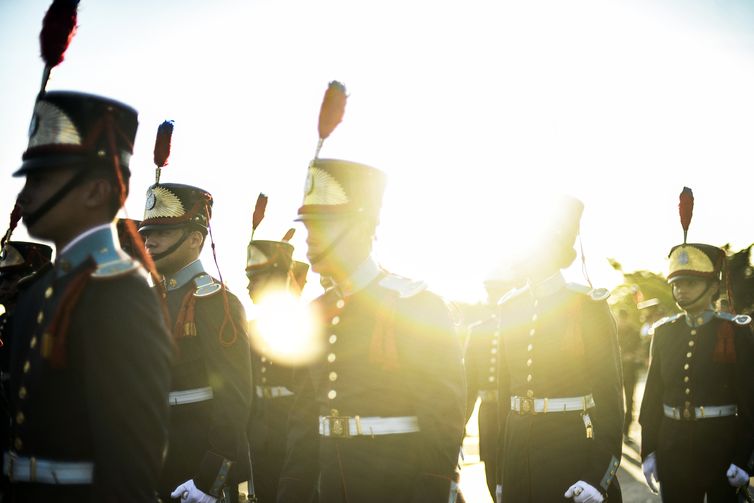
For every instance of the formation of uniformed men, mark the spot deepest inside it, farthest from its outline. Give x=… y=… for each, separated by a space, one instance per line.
x=132 y=376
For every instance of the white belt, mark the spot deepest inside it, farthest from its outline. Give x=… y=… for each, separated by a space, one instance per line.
x=524 y=405
x=344 y=426
x=273 y=391
x=700 y=412
x=190 y=396
x=45 y=471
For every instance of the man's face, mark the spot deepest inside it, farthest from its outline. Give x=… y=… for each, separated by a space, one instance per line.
x=693 y=294
x=262 y=283
x=158 y=241
x=321 y=233
x=60 y=220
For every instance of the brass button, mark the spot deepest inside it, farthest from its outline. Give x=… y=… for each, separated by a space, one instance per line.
x=20 y=418
x=532 y=332
x=33 y=342
x=40 y=317
x=332 y=394
x=491 y=379
x=536 y=302
x=688 y=391
x=264 y=359
x=27 y=366
x=493 y=351
x=528 y=362
x=693 y=332
x=264 y=380
x=529 y=378
x=530 y=347
x=264 y=369
x=688 y=355
x=48 y=292
x=493 y=360
x=686 y=379
x=530 y=393
x=172 y=283
x=686 y=367
x=18 y=444
x=494 y=341
x=492 y=370
x=691 y=344
x=333 y=376
x=331 y=357
x=22 y=392
x=333 y=338
x=699 y=321
x=534 y=318
x=340 y=304
x=335 y=320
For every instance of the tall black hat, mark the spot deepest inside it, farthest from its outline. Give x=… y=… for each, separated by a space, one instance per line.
x=73 y=129
x=19 y=259
x=268 y=257
x=174 y=205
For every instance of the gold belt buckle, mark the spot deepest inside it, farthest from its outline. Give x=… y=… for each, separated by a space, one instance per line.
x=338 y=425
x=688 y=414
x=526 y=406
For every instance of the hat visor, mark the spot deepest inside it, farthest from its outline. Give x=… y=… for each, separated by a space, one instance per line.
x=49 y=162
x=691 y=275
x=165 y=227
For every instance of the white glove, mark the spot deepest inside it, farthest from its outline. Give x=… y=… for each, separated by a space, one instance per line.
x=581 y=492
x=499 y=493
x=189 y=493
x=649 y=467
x=736 y=476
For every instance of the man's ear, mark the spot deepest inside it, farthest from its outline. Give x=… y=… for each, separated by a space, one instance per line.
x=196 y=240
x=97 y=193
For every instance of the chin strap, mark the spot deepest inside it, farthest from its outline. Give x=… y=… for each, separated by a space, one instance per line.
x=693 y=301
x=63 y=191
x=184 y=235
x=332 y=245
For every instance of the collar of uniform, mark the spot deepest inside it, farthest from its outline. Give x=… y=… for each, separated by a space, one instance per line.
x=185 y=275
x=98 y=243
x=697 y=321
x=360 y=277
x=547 y=286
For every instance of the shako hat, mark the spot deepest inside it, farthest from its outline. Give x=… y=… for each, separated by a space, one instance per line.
x=174 y=205
x=22 y=258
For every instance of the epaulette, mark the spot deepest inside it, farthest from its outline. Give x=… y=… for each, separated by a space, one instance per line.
x=115 y=268
x=666 y=319
x=738 y=319
x=403 y=286
x=206 y=286
x=596 y=294
x=510 y=294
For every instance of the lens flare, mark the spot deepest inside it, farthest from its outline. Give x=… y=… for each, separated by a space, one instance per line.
x=285 y=329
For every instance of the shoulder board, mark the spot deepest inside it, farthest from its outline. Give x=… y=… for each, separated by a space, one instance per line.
x=115 y=268
x=511 y=294
x=738 y=319
x=595 y=294
x=666 y=319
x=403 y=286
x=206 y=286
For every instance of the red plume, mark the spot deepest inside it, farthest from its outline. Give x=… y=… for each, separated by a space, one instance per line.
x=289 y=235
x=686 y=209
x=162 y=144
x=259 y=210
x=58 y=28
x=331 y=112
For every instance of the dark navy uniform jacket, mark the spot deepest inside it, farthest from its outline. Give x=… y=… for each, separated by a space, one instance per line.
x=208 y=439
x=558 y=340
x=706 y=361
x=391 y=352
x=104 y=400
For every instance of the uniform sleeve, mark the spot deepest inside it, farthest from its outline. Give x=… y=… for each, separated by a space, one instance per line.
x=744 y=376
x=603 y=359
x=428 y=344
x=228 y=369
x=300 y=471
x=126 y=365
x=471 y=366
x=651 y=413
x=504 y=405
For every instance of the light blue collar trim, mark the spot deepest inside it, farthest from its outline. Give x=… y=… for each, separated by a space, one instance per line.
x=99 y=243
x=362 y=276
x=185 y=275
x=703 y=319
x=548 y=286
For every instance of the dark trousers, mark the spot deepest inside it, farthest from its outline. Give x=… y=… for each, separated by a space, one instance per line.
x=630 y=371
x=687 y=490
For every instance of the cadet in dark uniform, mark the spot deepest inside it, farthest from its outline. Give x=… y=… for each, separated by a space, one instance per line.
x=696 y=416
x=271 y=270
x=380 y=416
x=480 y=360
x=210 y=397
x=629 y=340
x=90 y=363
x=560 y=390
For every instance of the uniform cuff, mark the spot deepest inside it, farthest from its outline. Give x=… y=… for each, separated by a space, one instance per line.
x=214 y=471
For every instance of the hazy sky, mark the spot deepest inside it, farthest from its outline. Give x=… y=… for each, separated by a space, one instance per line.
x=470 y=107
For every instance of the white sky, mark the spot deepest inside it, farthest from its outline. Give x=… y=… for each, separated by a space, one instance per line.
x=469 y=106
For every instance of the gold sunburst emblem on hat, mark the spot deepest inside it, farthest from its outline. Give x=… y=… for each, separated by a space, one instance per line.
x=51 y=126
x=162 y=203
x=323 y=189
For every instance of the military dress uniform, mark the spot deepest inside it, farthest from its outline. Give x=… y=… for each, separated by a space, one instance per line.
x=481 y=363
x=560 y=392
x=273 y=382
x=696 y=414
x=90 y=355
x=380 y=415
x=210 y=393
